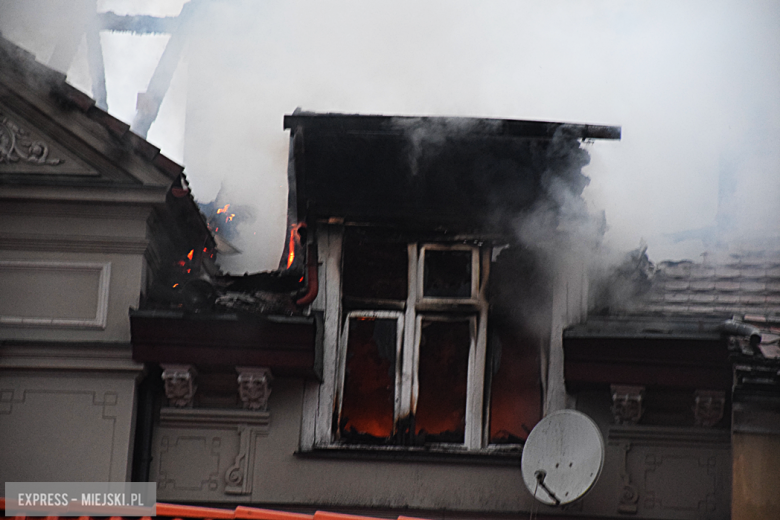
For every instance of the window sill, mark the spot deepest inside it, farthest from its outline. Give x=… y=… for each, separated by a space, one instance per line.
x=492 y=456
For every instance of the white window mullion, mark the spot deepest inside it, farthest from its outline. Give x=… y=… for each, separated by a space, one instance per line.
x=408 y=371
x=476 y=396
x=334 y=236
x=476 y=386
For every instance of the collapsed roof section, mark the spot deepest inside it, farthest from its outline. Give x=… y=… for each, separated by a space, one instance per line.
x=58 y=147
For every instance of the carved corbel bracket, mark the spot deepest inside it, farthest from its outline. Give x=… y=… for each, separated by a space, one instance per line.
x=627 y=403
x=179 y=384
x=254 y=387
x=708 y=407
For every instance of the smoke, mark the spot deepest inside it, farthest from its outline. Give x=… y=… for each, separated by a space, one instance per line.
x=693 y=84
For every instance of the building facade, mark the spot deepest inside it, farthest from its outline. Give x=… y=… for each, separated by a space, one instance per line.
x=435 y=300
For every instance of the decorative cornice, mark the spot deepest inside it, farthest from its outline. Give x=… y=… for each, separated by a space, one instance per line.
x=68 y=356
x=73 y=243
x=132 y=194
x=667 y=435
x=212 y=418
x=50 y=209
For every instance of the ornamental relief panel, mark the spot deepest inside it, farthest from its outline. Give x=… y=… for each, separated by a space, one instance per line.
x=17 y=145
x=26 y=150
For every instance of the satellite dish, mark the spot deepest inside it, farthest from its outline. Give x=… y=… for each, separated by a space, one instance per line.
x=562 y=457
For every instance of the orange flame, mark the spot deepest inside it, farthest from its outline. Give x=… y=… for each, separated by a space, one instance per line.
x=189 y=255
x=295 y=238
x=223 y=210
x=291 y=254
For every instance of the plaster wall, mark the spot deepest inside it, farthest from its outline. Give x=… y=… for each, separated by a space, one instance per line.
x=193 y=463
x=70 y=272
x=658 y=472
x=74 y=424
x=73 y=280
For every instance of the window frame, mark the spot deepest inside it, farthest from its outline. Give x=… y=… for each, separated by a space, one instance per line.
x=475 y=279
x=321 y=397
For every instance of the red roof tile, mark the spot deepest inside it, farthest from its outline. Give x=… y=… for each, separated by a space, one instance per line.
x=180 y=512
x=722 y=285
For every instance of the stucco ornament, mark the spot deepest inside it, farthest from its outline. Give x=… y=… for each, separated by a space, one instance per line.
x=179 y=384
x=627 y=403
x=254 y=387
x=16 y=145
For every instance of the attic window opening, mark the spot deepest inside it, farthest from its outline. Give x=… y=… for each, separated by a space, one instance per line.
x=375 y=270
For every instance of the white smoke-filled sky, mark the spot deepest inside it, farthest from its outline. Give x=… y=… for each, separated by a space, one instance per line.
x=695 y=86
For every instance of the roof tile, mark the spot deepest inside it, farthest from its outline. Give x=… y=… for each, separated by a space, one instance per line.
x=702 y=273
x=677 y=271
x=114 y=125
x=702 y=285
x=673 y=309
x=676 y=285
x=699 y=309
x=726 y=273
x=727 y=286
x=752 y=286
x=753 y=273
x=752 y=299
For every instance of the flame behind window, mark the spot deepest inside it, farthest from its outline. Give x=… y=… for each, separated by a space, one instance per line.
x=367 y=403
x=442 y=375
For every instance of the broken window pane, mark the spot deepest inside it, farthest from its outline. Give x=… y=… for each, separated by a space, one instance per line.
x=369 y=380
x=375 y=269
x=515 y=393
x=442 y=376
x=447 y=274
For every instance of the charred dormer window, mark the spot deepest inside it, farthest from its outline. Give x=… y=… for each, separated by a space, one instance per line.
x=413 y=344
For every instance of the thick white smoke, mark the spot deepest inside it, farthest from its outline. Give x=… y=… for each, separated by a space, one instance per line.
x=693 y=84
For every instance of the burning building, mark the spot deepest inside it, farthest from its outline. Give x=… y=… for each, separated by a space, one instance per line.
x=407 y=332
x=435 y=274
